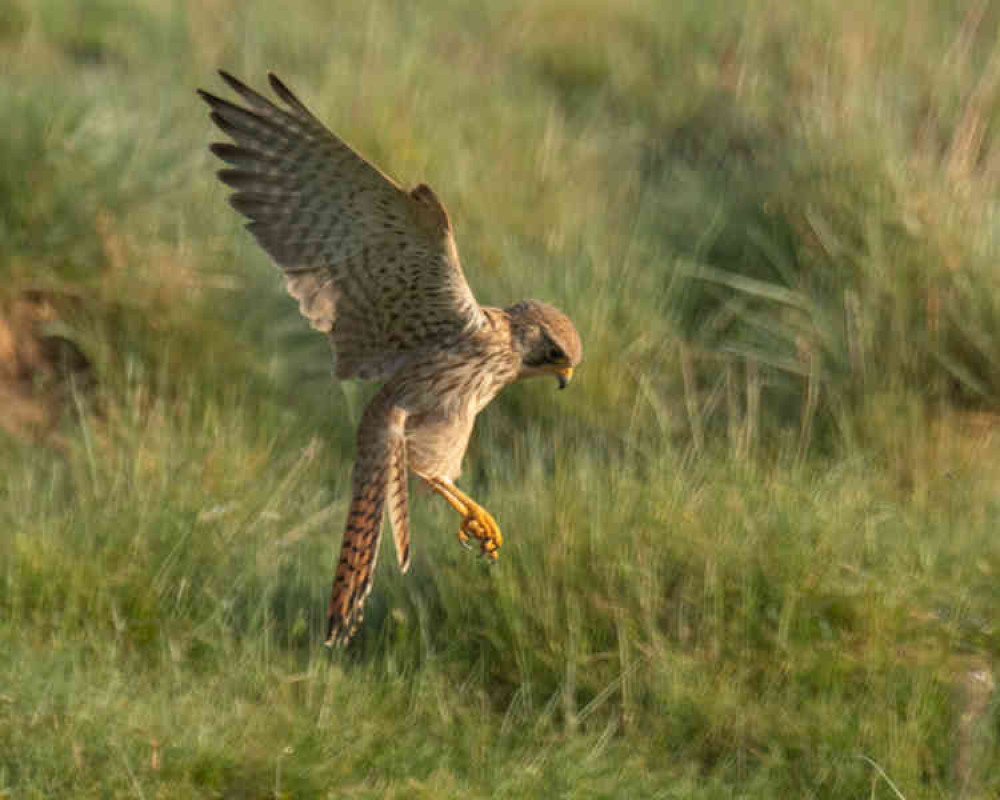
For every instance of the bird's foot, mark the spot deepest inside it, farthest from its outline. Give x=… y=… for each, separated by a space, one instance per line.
x=477 y=522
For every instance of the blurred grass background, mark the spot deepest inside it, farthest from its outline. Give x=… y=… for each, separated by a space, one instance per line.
x=753 y=552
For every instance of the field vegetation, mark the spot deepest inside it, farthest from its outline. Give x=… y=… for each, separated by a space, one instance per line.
x=751 y=552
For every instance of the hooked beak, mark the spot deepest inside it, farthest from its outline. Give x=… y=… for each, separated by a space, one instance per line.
x=564 y=375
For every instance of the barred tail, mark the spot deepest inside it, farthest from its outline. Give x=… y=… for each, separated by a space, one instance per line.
x=379 y=438
x=358 y=554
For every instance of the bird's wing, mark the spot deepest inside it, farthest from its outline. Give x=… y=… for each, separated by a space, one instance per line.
x=372 y=265
x=381 y=446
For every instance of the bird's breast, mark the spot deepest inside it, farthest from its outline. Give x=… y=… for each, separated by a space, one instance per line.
x=442 y=396
x=456 y=383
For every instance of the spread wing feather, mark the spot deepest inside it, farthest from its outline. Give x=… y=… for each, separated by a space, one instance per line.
x=372 y=265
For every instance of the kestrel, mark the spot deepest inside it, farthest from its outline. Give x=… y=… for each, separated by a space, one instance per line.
x=375 y=268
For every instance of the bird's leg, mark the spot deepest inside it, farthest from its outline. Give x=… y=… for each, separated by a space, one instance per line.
x=477 y=522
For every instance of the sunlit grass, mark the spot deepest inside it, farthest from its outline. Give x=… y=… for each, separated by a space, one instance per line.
x=751 y=552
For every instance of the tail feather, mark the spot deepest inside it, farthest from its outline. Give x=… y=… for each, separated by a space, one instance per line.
x=381 y=453
x=358 y=554
x=398 y=502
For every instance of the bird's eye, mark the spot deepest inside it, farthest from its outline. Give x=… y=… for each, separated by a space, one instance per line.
x=555 y=354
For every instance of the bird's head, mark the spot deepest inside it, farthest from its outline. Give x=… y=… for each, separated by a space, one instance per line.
x=548 y=341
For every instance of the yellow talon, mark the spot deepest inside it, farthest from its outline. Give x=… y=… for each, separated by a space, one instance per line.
x=477 y=522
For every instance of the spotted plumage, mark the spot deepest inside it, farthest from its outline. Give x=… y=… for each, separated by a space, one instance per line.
x=375 y=268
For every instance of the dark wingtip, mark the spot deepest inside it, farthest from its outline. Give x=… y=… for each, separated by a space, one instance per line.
x=288 y=96
x=276 y=83
x=283 y=91
x=228 y=77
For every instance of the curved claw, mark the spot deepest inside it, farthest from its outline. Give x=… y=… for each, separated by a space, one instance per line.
x=477 y=522
x=463 y=539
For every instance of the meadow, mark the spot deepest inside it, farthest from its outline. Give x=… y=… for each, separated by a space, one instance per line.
x=750 y=552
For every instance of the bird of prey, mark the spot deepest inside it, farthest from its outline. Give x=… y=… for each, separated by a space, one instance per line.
x=375 y=268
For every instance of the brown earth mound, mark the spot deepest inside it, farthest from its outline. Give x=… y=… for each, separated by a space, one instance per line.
x=41 y=372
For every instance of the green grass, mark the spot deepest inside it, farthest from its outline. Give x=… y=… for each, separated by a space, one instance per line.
x=751 y=553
